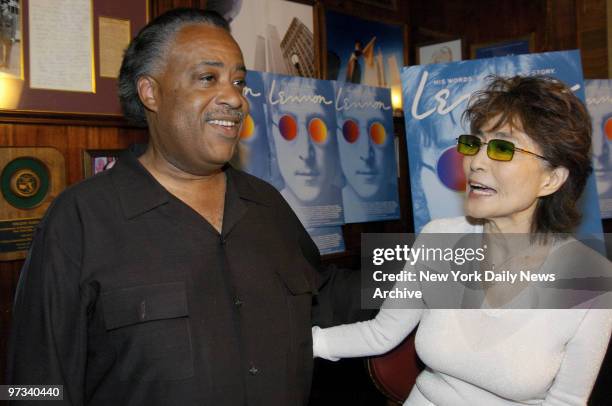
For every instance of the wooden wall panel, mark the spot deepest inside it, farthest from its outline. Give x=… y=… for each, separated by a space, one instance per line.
x=592 y=37
x=70 y=140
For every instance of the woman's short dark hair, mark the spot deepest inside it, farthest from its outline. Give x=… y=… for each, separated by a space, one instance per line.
x=147 y=52
x=548 y=112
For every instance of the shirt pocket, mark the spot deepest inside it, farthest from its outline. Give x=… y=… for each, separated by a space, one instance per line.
x=149 y=327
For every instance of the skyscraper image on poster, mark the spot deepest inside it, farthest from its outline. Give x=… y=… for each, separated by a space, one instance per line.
x=367 y=153
x=303 y=146
x=599 y=103
x=253 y=151
x=435 y=97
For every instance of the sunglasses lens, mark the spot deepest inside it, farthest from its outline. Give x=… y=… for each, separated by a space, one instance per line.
x=608 y=129
x=317 y=130
x=500 y=150
x=248 y=128
x=468 y=144
x=378 y=133
x=287 y=127
x=350 y=130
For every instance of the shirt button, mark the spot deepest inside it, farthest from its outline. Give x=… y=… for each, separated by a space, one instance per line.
x=238 y=302
x=222 y=240
x=253 y=370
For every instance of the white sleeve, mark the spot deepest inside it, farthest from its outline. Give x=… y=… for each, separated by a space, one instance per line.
x=583 y=357
x=367 y=338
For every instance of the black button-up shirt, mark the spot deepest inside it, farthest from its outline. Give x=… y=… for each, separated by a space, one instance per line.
x=128 y=296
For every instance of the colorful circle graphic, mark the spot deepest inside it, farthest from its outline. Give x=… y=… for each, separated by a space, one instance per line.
x=350 y=130
x=608 y=129
x=248 y=128
x=317 y=130
x=288 y=127
x=450 y=170
x=378 y=133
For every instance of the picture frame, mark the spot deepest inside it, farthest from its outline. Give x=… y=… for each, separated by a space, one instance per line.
x=98 y=160
x=440 y=52
x=276 y=36
x=24 y=103
x=514 y=46
x=327 y=51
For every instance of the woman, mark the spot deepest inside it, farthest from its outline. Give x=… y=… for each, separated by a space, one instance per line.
x=526 y=162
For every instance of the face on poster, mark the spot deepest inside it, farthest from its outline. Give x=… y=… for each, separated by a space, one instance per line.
x=253 y=152
x=302 y=123
x=367 y=151
x=435 y=97
x=275 y=35
x=363 y=51
x=599 y=103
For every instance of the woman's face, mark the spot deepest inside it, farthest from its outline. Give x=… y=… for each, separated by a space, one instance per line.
x=505 y=192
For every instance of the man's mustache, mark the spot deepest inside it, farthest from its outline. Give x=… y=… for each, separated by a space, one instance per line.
x=226 y=114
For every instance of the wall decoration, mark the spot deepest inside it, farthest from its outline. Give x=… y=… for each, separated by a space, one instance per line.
x=440 y=52
x=275 y=36
x=518 y=46
x=599 y=103
x=362 y=51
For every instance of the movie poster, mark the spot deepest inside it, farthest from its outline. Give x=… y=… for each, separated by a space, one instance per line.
x=304 y=150
x=328 y=240
x=599 y=103
x=367 y=153
x=253 y=151
x=435 y=97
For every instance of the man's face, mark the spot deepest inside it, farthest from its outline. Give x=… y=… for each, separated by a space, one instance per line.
x=364 y=144
x=199 y=106
x=304 y=147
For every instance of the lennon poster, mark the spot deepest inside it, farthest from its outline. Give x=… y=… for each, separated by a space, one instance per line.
x=303 y=147
x=435 y=97
x=253 y=151
x=367 y=153
x=599 y=103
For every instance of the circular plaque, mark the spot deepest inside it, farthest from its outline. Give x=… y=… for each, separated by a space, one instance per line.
x=25 y=182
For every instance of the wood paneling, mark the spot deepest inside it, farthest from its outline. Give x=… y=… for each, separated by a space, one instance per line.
x=592 y=35
x=70 y=140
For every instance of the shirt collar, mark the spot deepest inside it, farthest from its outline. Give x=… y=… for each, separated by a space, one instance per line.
x=139 y=192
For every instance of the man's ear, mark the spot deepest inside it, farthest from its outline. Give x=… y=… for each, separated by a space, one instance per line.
x=148 y=91
x=554 y=180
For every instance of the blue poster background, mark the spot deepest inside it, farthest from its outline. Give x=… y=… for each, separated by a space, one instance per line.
x=435 y=97
x=253 y=152
x=367 y=153
x=599 y=103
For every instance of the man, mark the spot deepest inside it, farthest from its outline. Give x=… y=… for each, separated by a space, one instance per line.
x=172 y=278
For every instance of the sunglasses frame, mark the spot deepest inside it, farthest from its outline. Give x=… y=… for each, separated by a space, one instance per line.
x=308 y=121
x=514 y=148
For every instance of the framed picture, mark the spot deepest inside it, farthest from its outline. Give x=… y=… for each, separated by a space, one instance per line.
x=275 y=36
x=440 y=52
x=517 y=46
x=99 y=160
x=11 y=45
x=65 y=75
x=362 y=51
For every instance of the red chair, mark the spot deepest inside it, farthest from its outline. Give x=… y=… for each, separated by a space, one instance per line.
x=395 y=372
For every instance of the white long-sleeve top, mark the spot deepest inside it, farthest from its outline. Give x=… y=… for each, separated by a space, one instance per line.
x=481 y=356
